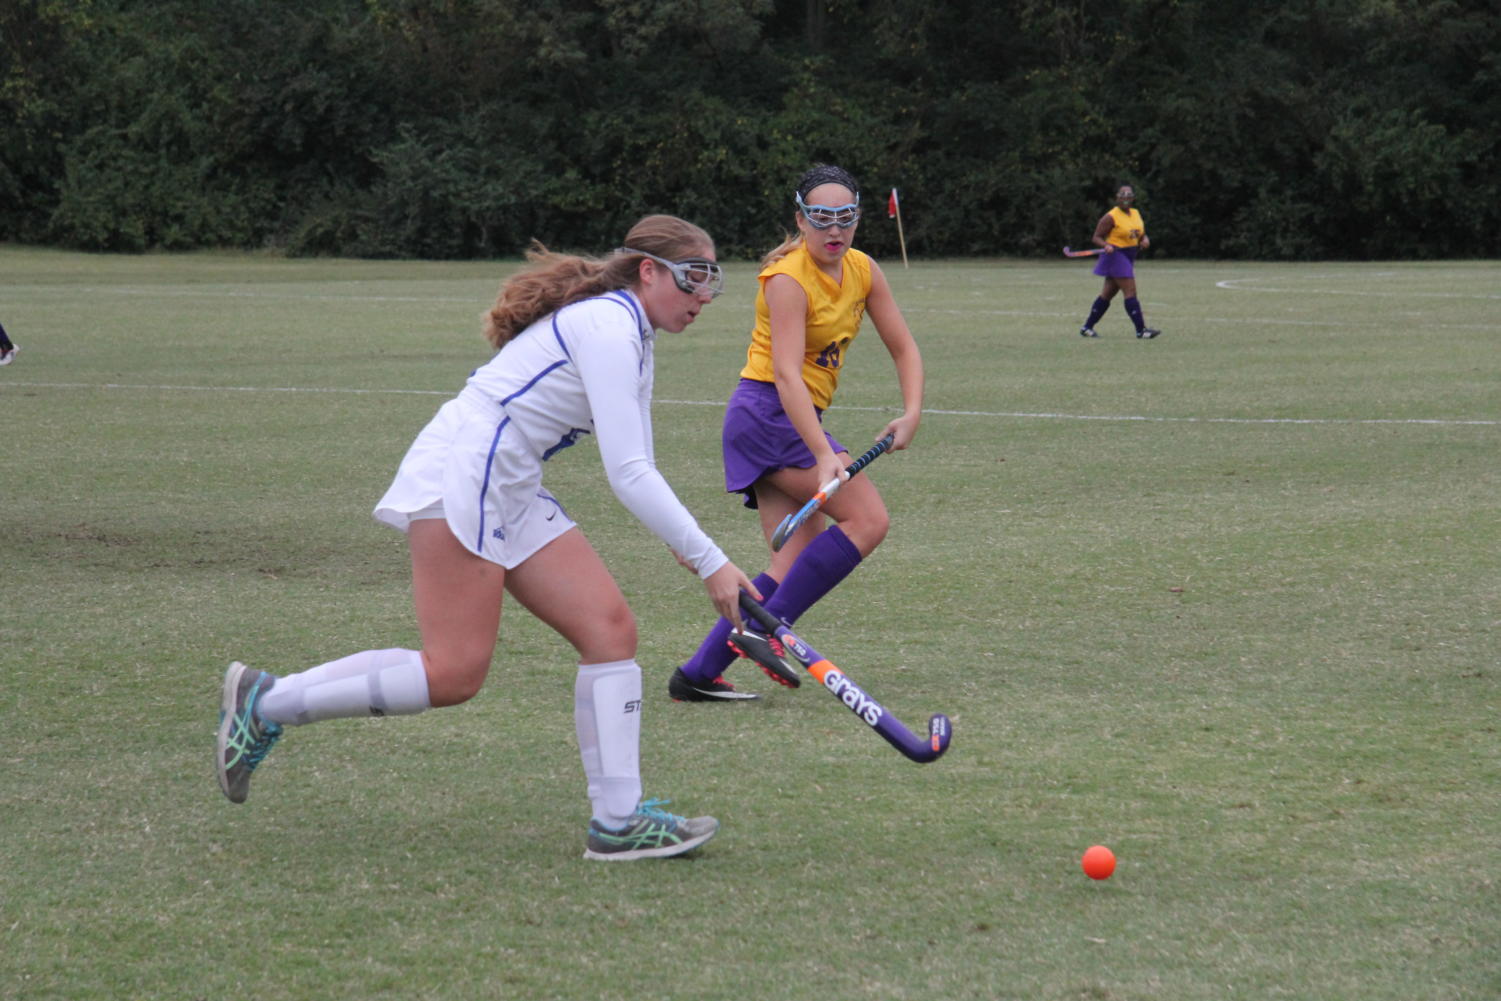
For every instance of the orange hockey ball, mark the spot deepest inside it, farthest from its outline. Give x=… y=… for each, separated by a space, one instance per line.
x=1098 y=862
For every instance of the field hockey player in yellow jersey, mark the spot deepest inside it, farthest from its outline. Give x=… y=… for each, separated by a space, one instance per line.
x=815 y=291
x=1120 y=233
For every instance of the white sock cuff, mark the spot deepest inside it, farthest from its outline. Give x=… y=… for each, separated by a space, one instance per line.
x=610 y=665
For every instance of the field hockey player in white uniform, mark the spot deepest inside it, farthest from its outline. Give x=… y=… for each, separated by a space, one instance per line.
x=575 y=338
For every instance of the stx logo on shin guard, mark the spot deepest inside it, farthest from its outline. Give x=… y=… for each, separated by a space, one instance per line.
x=849 y=693
x=633 y=706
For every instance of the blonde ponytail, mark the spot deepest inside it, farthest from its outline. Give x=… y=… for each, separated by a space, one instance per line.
x=786 y=247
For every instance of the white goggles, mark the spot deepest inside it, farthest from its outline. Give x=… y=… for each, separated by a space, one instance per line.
x=694 y=275
x=824 y=216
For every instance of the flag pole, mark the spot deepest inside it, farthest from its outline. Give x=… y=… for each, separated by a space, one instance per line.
x=894 y=210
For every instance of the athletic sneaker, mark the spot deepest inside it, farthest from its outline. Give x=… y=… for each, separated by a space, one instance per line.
x=1147 y=333
x=684 y=689
x=244 y=738
x=768 y=653
x=1087 y=332
x=8 y=355
x=650 y=833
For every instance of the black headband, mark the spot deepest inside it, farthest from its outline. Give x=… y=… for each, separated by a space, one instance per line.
x=827 y=174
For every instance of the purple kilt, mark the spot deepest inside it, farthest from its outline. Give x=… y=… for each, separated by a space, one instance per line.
x=1121 y=264
x=758 y=438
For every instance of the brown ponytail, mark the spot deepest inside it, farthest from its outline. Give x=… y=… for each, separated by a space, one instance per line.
x=552 y=280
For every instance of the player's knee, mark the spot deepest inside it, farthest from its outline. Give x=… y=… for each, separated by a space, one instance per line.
x=455 y=679
x=868 y=528
x=608 y=635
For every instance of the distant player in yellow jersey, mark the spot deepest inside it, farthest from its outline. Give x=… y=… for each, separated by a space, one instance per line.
x=815 y=291
x=1120 y=234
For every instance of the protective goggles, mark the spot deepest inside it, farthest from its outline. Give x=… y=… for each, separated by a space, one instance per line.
x=824 y=216
x=694 y=275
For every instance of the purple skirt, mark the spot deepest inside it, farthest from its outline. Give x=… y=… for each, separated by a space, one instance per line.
x=759 y=438
x=1121 y=264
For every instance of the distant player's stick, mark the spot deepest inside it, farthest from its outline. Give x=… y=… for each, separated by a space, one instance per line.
x=1071 y=252
x=875 y=715
x=793 y=522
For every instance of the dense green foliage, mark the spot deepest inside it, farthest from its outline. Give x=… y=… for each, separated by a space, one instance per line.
x=464 y=128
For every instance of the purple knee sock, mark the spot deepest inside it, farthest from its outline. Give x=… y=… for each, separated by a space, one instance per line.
x=1133 y=310
x=1096 y=311
x=714 y=654
x=827 y=561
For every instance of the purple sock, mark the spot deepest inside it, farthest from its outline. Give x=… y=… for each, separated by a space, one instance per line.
x=1096 y=311
x=1133 y=310
x=713 y=654
x=827 y=561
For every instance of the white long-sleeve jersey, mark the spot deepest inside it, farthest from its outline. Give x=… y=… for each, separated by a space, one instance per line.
x=589 y=368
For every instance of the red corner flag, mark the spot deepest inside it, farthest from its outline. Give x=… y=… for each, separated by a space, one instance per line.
x=894 y=211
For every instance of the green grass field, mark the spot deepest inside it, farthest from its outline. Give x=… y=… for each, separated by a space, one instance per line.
x=1228 y=602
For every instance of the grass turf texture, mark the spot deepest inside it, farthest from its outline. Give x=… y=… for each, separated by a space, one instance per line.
x=1226 y=602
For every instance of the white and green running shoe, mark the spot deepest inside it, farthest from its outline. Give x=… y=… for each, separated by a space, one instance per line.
x=244 y=738
x=650 y=833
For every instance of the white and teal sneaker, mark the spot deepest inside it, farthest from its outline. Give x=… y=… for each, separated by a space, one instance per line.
x=244 y=738
x=650 y=833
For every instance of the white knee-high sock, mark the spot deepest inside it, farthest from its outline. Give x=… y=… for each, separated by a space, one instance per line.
x=370 y=683
x=607 y=716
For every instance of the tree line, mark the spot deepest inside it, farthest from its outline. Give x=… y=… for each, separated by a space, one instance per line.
x=444 y=129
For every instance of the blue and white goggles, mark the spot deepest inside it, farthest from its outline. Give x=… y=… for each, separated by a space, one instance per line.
x=694 y=275
x=824 y=216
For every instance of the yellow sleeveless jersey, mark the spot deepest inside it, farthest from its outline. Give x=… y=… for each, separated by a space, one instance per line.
x=833 y=319
x=1128 y=229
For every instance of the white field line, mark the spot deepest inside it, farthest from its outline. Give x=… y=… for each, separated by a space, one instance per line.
x=227 y=292
x=358 y=290
x=359 y=296
x=934 y=412
x=1245 y=285
x=1182 y=318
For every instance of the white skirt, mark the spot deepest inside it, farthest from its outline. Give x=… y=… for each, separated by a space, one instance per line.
x=481 y=477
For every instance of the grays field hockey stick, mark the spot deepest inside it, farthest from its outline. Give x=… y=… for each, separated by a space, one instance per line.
x=875 y=715
x=794 y=521
x=1070 y=252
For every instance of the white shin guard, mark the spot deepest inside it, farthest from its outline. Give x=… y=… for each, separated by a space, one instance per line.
x=607 y=716
x=370 y=683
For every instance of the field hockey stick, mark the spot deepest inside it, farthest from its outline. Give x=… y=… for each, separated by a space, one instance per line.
x=1071 y=252
x=875 y=715
x=794 y=521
